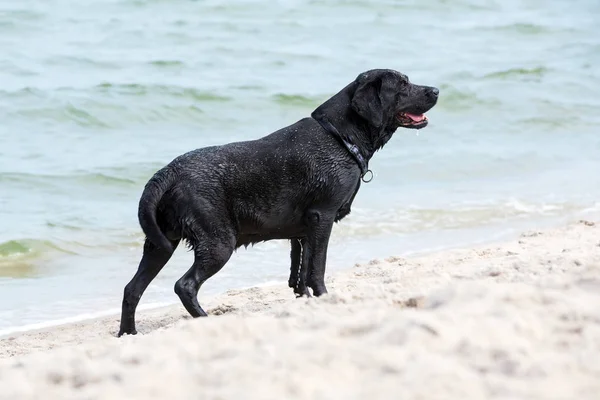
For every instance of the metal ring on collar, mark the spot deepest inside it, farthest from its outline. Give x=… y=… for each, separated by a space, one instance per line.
x=365 y=180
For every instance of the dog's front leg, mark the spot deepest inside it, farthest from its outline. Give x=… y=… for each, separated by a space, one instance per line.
x=314 y=254
x=295 y=259
x=294 y=281
x=299 y=269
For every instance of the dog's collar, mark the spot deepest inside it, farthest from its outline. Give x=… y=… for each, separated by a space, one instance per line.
x=352 y=149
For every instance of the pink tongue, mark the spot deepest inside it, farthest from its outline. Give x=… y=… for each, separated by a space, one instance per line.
x=415 y=118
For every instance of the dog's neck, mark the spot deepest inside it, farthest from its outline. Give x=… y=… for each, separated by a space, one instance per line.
x=339 y=119
x=353 y=149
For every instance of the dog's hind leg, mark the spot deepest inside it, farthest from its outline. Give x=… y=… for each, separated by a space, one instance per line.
x=153 y=260
x=210 y=256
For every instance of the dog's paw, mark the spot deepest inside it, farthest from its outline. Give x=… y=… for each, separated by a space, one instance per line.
x=302 y=291
x=319 y=290
x=126 y=332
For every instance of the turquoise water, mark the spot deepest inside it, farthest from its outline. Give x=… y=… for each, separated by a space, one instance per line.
x=95 y=96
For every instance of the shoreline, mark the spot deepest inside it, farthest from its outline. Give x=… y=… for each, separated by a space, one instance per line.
x=506 y=233
x=517 y=319
x=114 y=312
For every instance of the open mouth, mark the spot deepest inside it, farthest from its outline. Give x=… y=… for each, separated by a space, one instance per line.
x=416 y=121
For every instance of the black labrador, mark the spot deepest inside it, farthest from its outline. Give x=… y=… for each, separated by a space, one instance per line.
x=292 y=184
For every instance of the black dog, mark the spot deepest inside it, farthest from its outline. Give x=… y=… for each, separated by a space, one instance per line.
x=292 y=184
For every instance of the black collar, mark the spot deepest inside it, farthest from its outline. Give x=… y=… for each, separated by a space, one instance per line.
x=352 y=148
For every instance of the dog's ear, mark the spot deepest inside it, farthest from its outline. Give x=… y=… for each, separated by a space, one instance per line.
x=373 y=97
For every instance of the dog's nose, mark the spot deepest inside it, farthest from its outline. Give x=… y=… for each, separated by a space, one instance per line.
x=435 y=91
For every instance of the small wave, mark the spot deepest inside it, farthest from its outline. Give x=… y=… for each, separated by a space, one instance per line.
x=79 y=179
x=82 y=117
x=109 y=105
x=414 y=219
x=528 y=29
x=13 y=247
x=554 y=122
x=82 y=62
x=136 y=172
x=250 y=87
x=16 y=68
x=26 y=92
x=118 y=116
x=23 y=15
x=521 y=28
x=167 y=63
x=64 y=113
x=296 y=100
x=136 y=89
x=62 y=225
x=26 y=247
x=103 y=179
x=461 y=100
x=18 y=258
x=531 y=73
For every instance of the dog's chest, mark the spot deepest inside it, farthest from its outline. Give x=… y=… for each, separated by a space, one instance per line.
x=344 y=210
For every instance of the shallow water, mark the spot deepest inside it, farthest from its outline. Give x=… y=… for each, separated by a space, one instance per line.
x=95 y=96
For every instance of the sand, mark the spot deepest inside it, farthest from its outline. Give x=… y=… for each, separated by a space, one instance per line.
x=515 y=320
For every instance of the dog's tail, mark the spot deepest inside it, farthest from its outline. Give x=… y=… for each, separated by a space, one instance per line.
x=155 y=189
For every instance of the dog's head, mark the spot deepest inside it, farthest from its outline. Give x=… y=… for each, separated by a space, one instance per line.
x=369 y=110
x=387 y=99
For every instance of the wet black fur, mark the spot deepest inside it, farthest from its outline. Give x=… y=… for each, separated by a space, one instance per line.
x=292 y=184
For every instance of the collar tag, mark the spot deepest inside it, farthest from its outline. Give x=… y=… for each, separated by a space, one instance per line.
x=369 y=173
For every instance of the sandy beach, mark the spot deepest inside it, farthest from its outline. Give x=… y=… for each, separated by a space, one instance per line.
x=514 y=320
